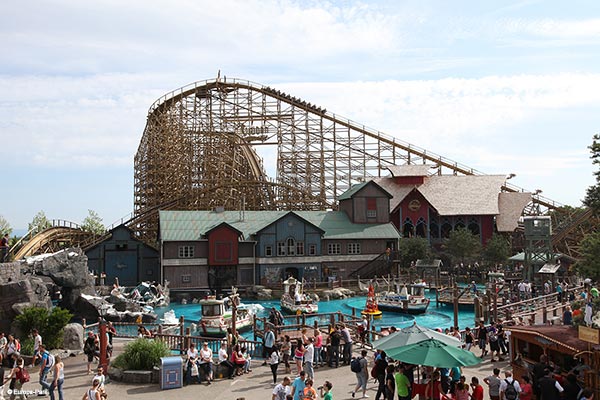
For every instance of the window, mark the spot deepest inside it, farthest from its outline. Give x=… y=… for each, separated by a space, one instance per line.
x=291 y=247
x=300 y=248
x=334 y=248
x=312 y=249
x=353 y=248
x=281 y=249
x=186 y=251
x=268 y=251
x=371 y=208
x=186 y=278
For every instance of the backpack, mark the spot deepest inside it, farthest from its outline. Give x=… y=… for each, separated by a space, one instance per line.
x=22 y=375
x=510 y=393
x=355 y=365
x=50 y=361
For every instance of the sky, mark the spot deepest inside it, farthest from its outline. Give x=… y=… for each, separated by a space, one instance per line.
x=500 y=86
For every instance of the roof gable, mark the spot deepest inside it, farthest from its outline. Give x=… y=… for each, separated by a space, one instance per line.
x=355 y=189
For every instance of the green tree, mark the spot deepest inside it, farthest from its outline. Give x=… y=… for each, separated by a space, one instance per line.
x=462 y=244
x=4 y=226
x=589 y=264
x=50 y=324
x=93 y=223
x=592 y=197
x=412 y=249
x=39 y=222
x=497 y=250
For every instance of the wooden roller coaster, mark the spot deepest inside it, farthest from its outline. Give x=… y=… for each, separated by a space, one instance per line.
x=199 y=151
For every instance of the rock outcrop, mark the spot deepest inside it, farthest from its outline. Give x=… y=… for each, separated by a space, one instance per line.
x=338 y=293
x=73 y=337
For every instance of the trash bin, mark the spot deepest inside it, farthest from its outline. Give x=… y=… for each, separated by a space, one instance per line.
x=171 y=372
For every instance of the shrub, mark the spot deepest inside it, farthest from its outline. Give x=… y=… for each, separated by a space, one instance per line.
x=50 y=324
x=27 y=347
x=142 y=354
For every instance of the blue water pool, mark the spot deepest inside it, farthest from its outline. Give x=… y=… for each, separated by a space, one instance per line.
x=435 y=317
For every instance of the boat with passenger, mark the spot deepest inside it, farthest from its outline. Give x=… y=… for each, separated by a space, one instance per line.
x=294 y=300
x=371 y=309
x=409 y=299
x=217 y=315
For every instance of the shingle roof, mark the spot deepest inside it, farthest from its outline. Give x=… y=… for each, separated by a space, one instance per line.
x=191 y=225
x=453 y=195
x=511 y=207
x=353 y=189
x=410 y=170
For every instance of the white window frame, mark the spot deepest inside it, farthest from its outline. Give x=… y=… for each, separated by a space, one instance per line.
x=299 y=248
x=354 y=248
x=186 y=252
x=268 y=251
x=281 y=249
x=312 y=249
x=334 y=248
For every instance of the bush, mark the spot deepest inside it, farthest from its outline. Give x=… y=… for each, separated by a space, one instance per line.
x=142 y=355
x=49 y=324
x=27 y=347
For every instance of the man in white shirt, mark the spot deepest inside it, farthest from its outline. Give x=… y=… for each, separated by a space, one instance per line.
x=37 y=341
x=281 y=390
x=509 y=380
x=101 y=379
x=309 y=355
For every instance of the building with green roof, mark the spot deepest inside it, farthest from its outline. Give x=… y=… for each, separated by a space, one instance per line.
x=216 y=250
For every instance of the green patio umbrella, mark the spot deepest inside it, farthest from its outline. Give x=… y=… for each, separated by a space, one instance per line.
x=434 y=353
x=410 y=335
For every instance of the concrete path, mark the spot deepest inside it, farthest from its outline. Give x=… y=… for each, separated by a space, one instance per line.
x=256 y=385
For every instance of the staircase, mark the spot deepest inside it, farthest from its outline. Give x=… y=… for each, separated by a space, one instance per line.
x=383 y=264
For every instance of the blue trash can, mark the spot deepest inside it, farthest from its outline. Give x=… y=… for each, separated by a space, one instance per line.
x=171 y=372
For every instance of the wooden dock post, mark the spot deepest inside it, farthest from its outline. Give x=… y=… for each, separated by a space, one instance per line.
x=181 y=321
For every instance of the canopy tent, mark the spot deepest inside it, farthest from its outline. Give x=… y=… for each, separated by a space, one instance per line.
x=411 y=335
x=434 y=353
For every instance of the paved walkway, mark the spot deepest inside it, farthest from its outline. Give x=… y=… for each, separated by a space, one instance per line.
x=256 y=385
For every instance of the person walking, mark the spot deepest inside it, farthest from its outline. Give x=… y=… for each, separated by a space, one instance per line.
x=309 y=391
x=493 y=381
x=326 y=391
x=46 y=363
x=347 y=338
x=380 y=370
x=482 y=338
x=550 y=389
x=390 y=382
x=298 y=386
x=318 y=348
x=299 y=355
x=59 y=378
x=93 y=393
x=286 y=352
x=526 y=389
x=309 y=355
x=334 y=347
x=280 y=391
x=274 y=364
x=362 y=376
x=509 y=387
x=16 y=379
x=477 y=389
x=268 y=342
x=402 y=384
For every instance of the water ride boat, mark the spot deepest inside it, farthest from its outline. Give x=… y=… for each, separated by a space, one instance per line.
x=294 y=300
x=217 y=315
x=371 y=309
x=409 y=299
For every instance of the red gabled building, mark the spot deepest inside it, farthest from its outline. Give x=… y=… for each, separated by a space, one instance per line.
x=431 y=206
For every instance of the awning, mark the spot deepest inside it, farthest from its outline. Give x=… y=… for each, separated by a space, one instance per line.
x=549 y=269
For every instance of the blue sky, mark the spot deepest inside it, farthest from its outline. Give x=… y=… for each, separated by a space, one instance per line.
x=503 y=87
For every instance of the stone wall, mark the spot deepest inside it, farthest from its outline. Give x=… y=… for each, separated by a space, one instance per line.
x=10 y=272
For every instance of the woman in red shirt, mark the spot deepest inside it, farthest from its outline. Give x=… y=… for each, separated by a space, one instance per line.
x=477 y=389
x=526 y=389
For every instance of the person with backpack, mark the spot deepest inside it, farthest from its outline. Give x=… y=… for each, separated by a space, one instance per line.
x=360 y=367
x=18 y=376
x=46 y=363
x=509 y=387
